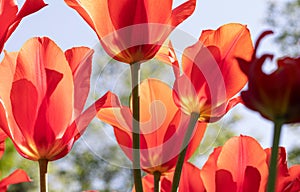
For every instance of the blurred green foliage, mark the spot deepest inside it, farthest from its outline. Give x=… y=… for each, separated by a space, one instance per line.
x=283 y=18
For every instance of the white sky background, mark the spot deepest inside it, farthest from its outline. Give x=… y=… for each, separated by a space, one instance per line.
x=63 y=25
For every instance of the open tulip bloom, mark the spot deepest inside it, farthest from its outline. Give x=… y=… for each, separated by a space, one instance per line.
x=132 y=31
x=43 y=98
x=163 y=126
x=211 y=76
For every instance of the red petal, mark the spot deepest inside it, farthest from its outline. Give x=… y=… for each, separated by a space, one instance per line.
x=190 y=179
x=208 y=172
x=182 y=12
x=80 y=61
x=18 y=176
x=245 y=151
x=99 y=21
x=37 y=57
x=24 y=99
x=224 y=181
x=252 y=180
x=130 y=12
x=10 y=19
x=233 y=40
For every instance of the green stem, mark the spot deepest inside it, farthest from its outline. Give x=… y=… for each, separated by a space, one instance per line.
x=43 y=165
x=135 y=78
x=274 y=154
x=193 y=120
x=157 y=175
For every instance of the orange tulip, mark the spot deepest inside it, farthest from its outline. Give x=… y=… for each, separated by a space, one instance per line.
x=275 y=96
x=162 y=128
x=43 y=92
x=18 y=176
x=211 y=75
x=10 y=17
x=239 y=165
x=191 y=180
x=132 y=30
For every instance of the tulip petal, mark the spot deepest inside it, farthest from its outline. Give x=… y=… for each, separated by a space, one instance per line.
x=183 y=11
x=80 y=60
x=10 y=19
x=106 y=101
x=233 y=40
x=130 y=12
x=47 y=56
x=157 y=110
x=190 y=179
x=224 y=181
x=18 y=176
x=209 y=169
x=24 y=99
x=89 y=11
x=246 y=152
x=251 y=180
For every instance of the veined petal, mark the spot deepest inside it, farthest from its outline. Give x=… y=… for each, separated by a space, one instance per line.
x=156 y=111
x=36 y=58
x=10 y=19
x=18 y=176
x=89 y=11
x=246 y=152
x=233 y=40
x=80 y=61
x=208 y=172
x=224 y=181
x=130 y=12
x=183 y=11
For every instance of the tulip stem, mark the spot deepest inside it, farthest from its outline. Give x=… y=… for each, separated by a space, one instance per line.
x=193 y=120
x=43 y=165
x=135 y=78
x=157 y=175
x=274 y=154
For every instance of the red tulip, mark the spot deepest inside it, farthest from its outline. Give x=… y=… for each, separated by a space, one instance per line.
x=191 y=180
x=132 y=30
x=211 y=75
x=43 y=92
x=288 y=179
x=240 y=165
x=18 y=176
x=10 y=17
x=162 y=127
x=275 y=96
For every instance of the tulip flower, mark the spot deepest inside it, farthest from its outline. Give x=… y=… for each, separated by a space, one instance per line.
x=239 y=165
x=10 y=17
x=274 y=96
x=287 y=179
x=43 y=91
x=18 y=176
x=163 y=126
x=191 y=180
x=211 y=76
x=132 y=31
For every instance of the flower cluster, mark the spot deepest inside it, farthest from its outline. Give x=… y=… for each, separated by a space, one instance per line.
x=43 y=94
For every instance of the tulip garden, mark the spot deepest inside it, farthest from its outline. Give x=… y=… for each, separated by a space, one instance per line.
x=44 y=89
